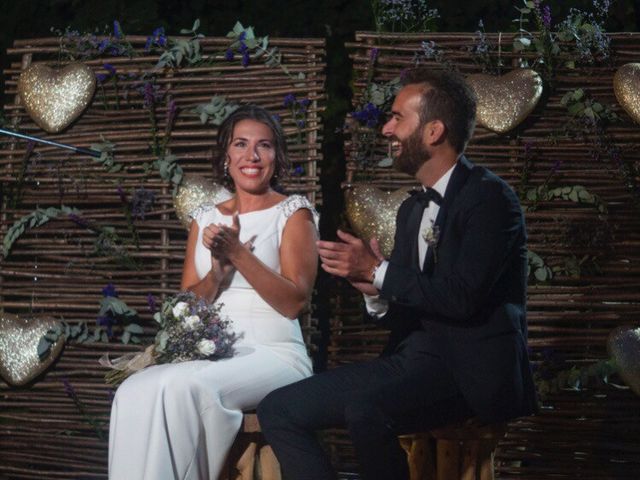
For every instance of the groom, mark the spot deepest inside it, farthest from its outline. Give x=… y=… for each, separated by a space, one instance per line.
x=453 y=294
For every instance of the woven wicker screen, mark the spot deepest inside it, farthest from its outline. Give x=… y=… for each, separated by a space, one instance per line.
x=586 y=434
x=52 y=271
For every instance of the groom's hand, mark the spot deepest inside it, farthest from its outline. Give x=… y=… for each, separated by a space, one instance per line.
x=351 y=258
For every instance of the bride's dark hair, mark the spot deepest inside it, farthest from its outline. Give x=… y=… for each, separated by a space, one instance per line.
x=225 y=134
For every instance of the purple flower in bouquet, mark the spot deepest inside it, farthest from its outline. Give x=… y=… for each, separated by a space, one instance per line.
x=191 y=329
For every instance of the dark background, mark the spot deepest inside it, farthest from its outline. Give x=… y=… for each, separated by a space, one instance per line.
x=334 y=20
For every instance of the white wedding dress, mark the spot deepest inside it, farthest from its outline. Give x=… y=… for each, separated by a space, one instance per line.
x=178 y=421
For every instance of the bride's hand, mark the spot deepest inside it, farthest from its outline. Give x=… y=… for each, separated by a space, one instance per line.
x=226 y=239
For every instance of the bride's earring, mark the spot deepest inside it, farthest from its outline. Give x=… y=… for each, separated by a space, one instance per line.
x=226 y=169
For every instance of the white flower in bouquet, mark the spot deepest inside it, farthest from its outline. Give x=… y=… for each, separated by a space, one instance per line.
x=180 y=309
x=191 y=322
x=206 y=347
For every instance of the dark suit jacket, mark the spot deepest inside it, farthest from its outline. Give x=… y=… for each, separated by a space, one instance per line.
x=470 y=295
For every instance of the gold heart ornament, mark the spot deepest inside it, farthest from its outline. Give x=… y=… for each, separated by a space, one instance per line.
x=196 y=191
x=624 y=347
x=372 y=213
x=54 y=98
x=626 y=86
x=19 y=338
x=505 y=101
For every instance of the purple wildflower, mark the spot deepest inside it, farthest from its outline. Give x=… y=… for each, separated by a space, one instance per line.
x=102 y=46
x=109 y=290
x=159 y=37
x=117 y=30
x=149 y=94
x=370 y=115
x=107 y=321
x=546 y=17
x=141 y=202
x=121 y=194
x=300 y=123
x=528 y=148
x=151 y=302
x=276 y=118
x=245 y=59
x=298 y=171
x=68 y=388
x=78 y=220
x=373 y=55
x=289 y=100
x=228 y=55
x=242 y=36
x=172 y=110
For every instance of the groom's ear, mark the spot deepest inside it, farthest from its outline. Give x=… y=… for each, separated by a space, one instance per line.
x=434 y=132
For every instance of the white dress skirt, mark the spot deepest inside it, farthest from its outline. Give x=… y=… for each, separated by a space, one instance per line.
x=178 y=421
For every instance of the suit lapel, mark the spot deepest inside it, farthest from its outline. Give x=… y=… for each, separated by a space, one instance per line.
x=412 y=227
x=458 y=179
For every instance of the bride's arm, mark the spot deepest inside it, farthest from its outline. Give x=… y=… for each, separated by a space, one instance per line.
x=288 y=292
x=208 y=287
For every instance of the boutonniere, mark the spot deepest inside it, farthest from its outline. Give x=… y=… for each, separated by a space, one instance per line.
x=431 y=235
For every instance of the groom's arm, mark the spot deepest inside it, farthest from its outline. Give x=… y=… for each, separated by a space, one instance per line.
x=492 y=230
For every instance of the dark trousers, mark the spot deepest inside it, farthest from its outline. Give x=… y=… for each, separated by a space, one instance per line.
x=409 y=390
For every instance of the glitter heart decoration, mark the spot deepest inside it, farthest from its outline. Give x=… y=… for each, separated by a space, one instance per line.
x=626 y=86
x=19 y=338
x=196 y=191
x=54 y=98
x=504 y=102
x=372 y=213
x=624 y=347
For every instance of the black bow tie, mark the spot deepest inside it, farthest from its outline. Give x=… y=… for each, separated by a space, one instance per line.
x=428 y=195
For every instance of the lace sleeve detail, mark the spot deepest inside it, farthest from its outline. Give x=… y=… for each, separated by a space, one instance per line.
x=200 y=211
x=295 y=203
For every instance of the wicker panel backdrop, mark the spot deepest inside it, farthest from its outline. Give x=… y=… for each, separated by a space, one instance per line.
x=53 y=270
x=595 y=256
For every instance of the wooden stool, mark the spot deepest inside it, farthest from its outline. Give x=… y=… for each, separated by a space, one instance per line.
x=462 y=451
x=250 y=457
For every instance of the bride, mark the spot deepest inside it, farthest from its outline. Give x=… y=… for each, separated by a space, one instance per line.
x=254 y=254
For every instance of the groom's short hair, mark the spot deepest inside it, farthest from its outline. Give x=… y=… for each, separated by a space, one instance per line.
x=445 y=97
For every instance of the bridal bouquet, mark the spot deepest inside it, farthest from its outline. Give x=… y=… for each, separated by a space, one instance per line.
x=190 y=329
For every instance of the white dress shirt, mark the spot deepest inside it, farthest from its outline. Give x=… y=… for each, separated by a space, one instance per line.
x=377 y=306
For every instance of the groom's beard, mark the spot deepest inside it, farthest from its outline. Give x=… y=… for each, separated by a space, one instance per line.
x=412 y=155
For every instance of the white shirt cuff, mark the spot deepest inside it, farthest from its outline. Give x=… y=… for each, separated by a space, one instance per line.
x=376 y=307
x=381 y=271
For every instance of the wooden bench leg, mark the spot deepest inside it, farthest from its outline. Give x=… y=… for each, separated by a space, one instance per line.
x=246 y=463
x=419 y=456
x=268 y=464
